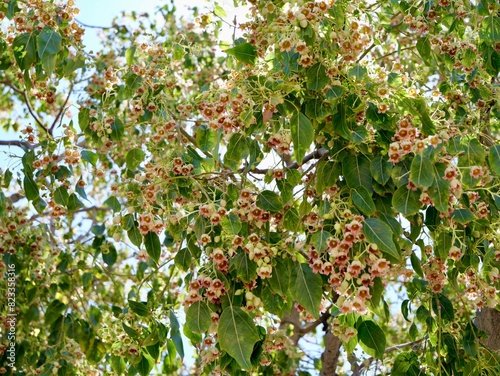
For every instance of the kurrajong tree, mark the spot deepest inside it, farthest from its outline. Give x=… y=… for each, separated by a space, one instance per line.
x=330 y=174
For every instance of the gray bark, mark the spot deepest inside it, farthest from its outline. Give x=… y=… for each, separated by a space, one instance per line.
x=488 y=320
x=331 y=354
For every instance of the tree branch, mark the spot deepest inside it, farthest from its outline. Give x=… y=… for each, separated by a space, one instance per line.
x=93 y=26
x=316 y=154
x=331 y=354
x=21 y=144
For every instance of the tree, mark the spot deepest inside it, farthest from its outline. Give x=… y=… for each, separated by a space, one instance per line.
x=333 y=173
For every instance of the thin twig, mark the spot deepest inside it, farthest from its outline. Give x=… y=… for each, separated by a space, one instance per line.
x=316 y=154
x=93 y=26
x=51 y=129
x=32 y=113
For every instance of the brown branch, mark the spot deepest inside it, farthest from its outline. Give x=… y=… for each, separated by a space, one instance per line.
x=32 y=113
x=316 y=154
x=21 y=144
x=61 y=110
x=12 y=86
x=193 y=140
x=93 y=26
x=330 y=355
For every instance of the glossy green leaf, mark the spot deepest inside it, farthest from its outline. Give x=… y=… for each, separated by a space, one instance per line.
x=280 y=278
x=442 y=306
x=363 y=200
x=89 y=156
x=135 y=235
x=198 y=317
x=439 y=194
x=317 y=78
x=113 y=203
x=356 y=171
x=129 y=55
x=49 y=43
x=372 y=339
x=462 y=216
x=406 y=201
x=380 y=169
x=30 y=188
x=319 y=239
x=424 y=48
x=494 y=159
x=302 y=135
x=231 y=224
x=269 y=201
x=357 y=71
x=145 y=365
x=246 y=269
x=291 y=220
x=307 y=289
x=118 y=364
x=140 y=308
x=54 y=309
x=422 y=171
x=117 y=130
x=134 y=158
x=380 y=233
x=206 y=138
x=236 y=149
x=153 y=246
x=237 y=335
x=24 y=47
x=327 y=175
x=110 y=256
x=243 y=52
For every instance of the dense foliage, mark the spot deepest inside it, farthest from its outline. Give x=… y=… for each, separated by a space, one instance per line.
x=334 y=157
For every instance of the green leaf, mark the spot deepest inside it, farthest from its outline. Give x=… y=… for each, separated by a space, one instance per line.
x=372 y=339
x=246 y=269
x=129 y=55
x=379 y=233
x=135 y=235
x=113 y=204
x=24 y=47
x=494 y=159
x=291 y=220
x=49 y=43
x=61 y=196
x=406 y=364
x=307 y=289
x=145 y=365
x=237 y=335
x=49 y=64
x=236 y=148
x=422 y=171
x=134 y=158
x=89 y=156
x=406 y=201
x=334 y=92
x=243 y=52
x=356 y=171
x=363 y=200
x=118 y=364
x=302 y=135
x=442 y=306
x=316 y=77
x=219 y=11
x=358 y=72
x=269 y=201
x=424 y=49
x=231 y=224
x=439 y=193
x=111 y=256
x=30 y=188
x=462 y=216
x=54 y=309
x=319 y=239
x=443 y=242
x=84 y=119
x=280 y=278
x=140 y=308
x=327 y=174
x=419 y=107
x=3 y=202
x=153 y=246
x=380 y=169
x=206 y=138
x=415 y=264
x=198 y=318
x=117 y=130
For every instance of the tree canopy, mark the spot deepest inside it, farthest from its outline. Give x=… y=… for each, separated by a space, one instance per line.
x=330 y=174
